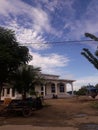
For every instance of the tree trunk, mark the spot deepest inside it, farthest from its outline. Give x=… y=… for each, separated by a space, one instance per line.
x=1 y=86
x=0 y=94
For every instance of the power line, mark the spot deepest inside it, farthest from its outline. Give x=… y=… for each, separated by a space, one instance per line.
x=59 y=42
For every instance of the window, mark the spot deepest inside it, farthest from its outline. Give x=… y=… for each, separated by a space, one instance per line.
x=8 y=90
x=42 y=93
x=3 y=92
x=53 y=88
x=42 y=88
x=62 y=88
x=13 y=92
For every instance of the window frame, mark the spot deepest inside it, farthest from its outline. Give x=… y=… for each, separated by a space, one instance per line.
x=61 y=88
x=53 y=88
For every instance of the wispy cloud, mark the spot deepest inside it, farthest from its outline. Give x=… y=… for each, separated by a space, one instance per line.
x=27 y=36
x=87 y=22
x=49 y=63
x=41 y=20
x=30 y=23
x=55 y=19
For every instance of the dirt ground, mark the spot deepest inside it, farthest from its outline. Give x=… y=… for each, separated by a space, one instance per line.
x=70 y=112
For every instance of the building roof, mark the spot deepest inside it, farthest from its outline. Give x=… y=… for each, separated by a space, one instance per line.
x=62 y=80
x=51 y=77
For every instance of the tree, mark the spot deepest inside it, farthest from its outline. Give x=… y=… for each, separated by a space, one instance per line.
x=96 y=86
x=81 y=91
x=91 y=36
x=12 y=55
x=92 y=58
x=25 y=79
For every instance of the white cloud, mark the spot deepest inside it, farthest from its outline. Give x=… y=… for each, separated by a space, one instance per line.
x=40 y=21
x=32 y=39
x=6 y=7
x=49 y=63
x=34 y=22
x=27 y=36
x=39 y=18
x=87 y=22
x=59 y=4
x=93 y=80
x=12 y=6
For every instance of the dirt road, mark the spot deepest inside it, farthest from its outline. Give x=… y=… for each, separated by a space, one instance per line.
x=29 y=127
x=68 y=114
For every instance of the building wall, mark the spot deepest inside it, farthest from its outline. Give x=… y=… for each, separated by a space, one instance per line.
x=46 y=92
x=10 y=95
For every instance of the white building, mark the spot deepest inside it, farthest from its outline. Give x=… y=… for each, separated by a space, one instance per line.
x=53 y=86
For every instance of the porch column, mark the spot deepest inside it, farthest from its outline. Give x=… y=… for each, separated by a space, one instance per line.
x=10 y=93
x=5 y=92
x=44 y=89
x=56 y=91
x=72 y=88
x=65 y=85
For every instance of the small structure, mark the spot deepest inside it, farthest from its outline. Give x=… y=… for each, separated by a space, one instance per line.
x=92 y=91
x=53 y=87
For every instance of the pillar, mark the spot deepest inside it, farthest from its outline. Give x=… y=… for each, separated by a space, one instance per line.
x=65 y=85
x=72 y=88
x=44 y=89
x=5 y=92
x=10 y=93
x=56 y=91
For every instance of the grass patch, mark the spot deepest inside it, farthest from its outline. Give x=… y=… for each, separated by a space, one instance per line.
x=94 y=104
x=46 y=104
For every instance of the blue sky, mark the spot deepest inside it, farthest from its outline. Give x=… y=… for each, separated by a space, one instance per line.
x=37 y=23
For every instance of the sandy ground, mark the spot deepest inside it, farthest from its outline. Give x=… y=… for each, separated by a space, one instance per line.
x=29 y=127
x=57 y=114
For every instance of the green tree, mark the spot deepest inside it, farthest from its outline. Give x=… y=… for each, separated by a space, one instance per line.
x=25 y=79
x=96 y=86
x=12 y=55
x=92 y=58
x=81 y=91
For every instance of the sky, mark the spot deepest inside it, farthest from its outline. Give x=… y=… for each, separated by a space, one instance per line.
x=45 y=26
